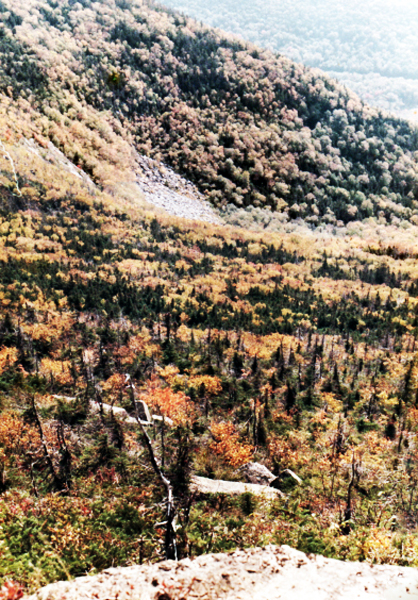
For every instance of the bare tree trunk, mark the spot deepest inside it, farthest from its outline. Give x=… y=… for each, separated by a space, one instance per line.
x=65 y=456
x=170 y=534
x=58 y=484
x=162 y=444
x=348 y=512
x=32 y=478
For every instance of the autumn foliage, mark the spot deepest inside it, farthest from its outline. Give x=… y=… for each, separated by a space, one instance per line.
x=227 y=445
x=294 y=349
x=174 y=405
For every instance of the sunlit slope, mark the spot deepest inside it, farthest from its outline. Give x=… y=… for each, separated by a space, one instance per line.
x=295 y=351
x=269 y=283
x=251 y=128
x=368 y=46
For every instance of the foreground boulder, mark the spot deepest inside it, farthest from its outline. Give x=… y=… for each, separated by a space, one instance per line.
x=271 y=573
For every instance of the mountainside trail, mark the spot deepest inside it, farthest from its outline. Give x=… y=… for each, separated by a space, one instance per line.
x=272 y=573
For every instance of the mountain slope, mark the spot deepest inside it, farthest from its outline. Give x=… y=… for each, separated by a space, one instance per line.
x=370 y=47
x=295 y=351
x=248 y=127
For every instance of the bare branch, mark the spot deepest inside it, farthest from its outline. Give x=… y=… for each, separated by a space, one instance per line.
x=57 y=482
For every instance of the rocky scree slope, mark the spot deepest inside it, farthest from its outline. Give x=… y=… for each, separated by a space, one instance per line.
x=167 y=190
x=152 y=181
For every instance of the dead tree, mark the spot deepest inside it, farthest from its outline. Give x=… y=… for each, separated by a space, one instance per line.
x=348 y=512
x=57 y=482
x=170 y=543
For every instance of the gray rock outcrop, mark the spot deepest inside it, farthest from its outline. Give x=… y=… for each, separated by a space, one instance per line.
x=164 y=188
x=254 y=472
x=272 y=573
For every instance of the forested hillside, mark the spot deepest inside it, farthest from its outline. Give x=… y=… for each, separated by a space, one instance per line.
x=139 y=351
x=250 y=128
x=369 y=46
x=297 y=352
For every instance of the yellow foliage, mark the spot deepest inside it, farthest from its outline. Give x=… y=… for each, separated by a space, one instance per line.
x=169 y=374
x=8 y=357
x=115 y=383
x=331 y=402
x=211 y=384
x=59 y=370
x=378 y=546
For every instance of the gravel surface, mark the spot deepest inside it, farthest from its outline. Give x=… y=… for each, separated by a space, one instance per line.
x=164 y=188
x=272 y=573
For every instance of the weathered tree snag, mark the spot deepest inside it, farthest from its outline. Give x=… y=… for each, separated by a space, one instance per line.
x=170 y=534
x=348 y=512
x=57 y=482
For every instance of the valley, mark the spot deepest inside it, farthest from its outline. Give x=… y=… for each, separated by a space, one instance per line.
x=208 y=267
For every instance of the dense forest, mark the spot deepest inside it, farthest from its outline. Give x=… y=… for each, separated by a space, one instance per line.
x=368 y=46
x=249 y=127
x=298 y=352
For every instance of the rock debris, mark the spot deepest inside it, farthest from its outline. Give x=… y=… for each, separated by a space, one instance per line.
x=164 y=188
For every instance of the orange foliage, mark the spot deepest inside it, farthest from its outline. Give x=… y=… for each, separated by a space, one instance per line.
x=174 y=405
x=11 y=591
x=15 y=435
x=281 y=452
x=228 y=446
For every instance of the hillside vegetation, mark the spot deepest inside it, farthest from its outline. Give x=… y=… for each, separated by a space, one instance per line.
x=370 y=47
x=294 y=350
x=298 y=352
x=249 y=127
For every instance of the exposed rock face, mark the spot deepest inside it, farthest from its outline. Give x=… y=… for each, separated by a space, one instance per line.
x=257 y=473
x=273 y=573
x=54 y=156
